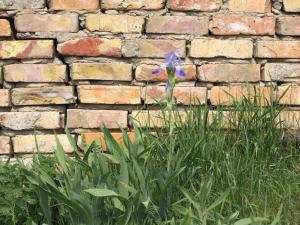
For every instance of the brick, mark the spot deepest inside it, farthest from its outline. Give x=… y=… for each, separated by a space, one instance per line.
x=5 y=147
x=152 y=48
x=114 y=23
x=196 y=5
x=143 y=72
x=288 y=72
x=94 y=119
x=102 y=71
x=289 y=95
x=35 y=73
x=277 y=49
x=91 y=46
x=74 y=4
x=133 y=4
x=21 y=4
x=224 y=95
x=229 y=72
x=30 y=120
x=44 y=143
x=289 y=119
x=177 y=25
x=26 y=49
x=5 y=29
x=291 y=5
x=43 y=95
x=118 y=136
x=242 y=25
x=260 y=6
x=183 y=95
x=4 y=98
x=210 y=48
x=288 y=25
x=106 y=94
x=68 y=22
x=154 y=118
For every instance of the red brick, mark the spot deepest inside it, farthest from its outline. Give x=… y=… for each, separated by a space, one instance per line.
x=68 y=22
x=288 y=25
x=244 y=25
x=143 y=72
x=106 y=94
x=177 y=25
x=5 y=146
x=260 y=6
x=183 y=95
x=94 y=119
x=289 y=95
x=118 y=136
x=26 y=49
x=4 y=98
x=74 y=4
x=229 y=72
x=196 y=5
x=152 y=48
x=277 y=49
x=35 y=73
x=91 y=46
x=5 y=29
x=133 y=4
x=224 y=95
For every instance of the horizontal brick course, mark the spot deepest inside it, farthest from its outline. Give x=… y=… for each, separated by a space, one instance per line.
x=229 y=73
x=291 y=5
x=289 y=95
x=4 y=98
x=5 y=29
x=107 y=94
x=5 y=145
x=277 y=49
x=21 y=4
x=259 y=6
x=74 y=4
x=288 y=25
x=94 y=119
x=35 y=73
x=282 y=72
x=133 y=4
x=68 y=22
x=196 y=5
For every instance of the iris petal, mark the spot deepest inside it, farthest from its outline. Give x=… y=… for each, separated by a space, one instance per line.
x=158 y=70
x=168 y=86
x=180 y=72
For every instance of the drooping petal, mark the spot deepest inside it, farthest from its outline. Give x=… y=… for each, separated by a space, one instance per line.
x=158 y=70
x=168 y=85
x=170 y=60
x=180 y=72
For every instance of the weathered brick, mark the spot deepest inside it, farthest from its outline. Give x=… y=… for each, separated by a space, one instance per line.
x=91 y=46
x=4 y=98
x=183 y=95
x=210 y=48
x=118 y=136
x=102 y=71
x=44 y=143
x=289 y=95
x=74 y=4
x=35 y=73
x=106 y=94
x=229 y=72
x=26 y=49
x=5 y=147
x=262 y=6
x=21 y=4
x=224 y=95
x=68 y=22
x=196 y=5
x=245 y=25
x=291 y=5
x=277 y=49
x=152 y=48
x=5 y=29
x=143 y=72
x=288 y=72
x=288 y=25
x=177 y=25
x=114 y=23
x=43 y=95
x=289 y=119
x=154 y=118
x=30 y=120
x=133 y=4
x=94 y=119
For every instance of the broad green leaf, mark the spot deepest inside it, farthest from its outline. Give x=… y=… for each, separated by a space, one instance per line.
x=250 y=221
x=101 y=192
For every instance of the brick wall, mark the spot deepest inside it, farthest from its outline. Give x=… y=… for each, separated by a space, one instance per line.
x=83 y=64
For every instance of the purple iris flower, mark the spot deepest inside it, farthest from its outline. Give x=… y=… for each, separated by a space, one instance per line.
x=168 y=85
